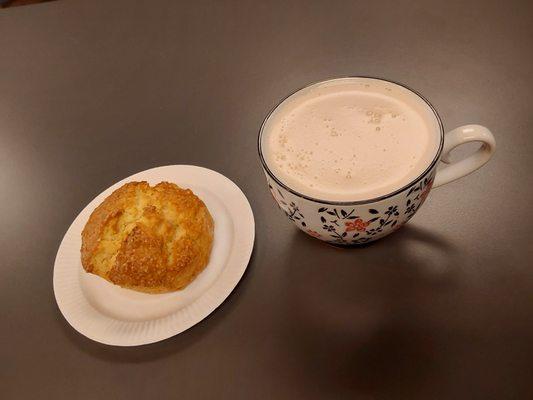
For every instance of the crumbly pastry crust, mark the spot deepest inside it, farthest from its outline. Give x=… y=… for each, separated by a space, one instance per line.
x=150 y=239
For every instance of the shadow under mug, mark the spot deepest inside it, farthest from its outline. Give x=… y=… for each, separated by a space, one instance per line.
x=356 y=222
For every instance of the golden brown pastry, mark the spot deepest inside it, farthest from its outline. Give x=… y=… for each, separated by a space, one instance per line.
x=150 y=239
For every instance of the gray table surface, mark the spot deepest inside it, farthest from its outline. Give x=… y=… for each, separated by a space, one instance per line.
x=93 y=91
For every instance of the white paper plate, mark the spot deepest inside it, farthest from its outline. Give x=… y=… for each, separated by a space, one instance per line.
x=109 y=314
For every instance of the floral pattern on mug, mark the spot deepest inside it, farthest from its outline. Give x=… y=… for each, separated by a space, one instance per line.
x=357 y=225
x=353 y=224
x=421 y=190
x=313 y=233
x=374 y=226
x=426 y=191
x=291 y=210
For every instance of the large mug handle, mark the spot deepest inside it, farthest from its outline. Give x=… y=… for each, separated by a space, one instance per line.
x=456 y=137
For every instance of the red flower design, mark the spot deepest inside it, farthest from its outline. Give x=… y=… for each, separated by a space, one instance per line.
x=313 y=233
x=426 y=190
x=357 y=225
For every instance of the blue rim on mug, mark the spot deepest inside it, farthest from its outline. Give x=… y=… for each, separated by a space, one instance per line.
x=341 y=203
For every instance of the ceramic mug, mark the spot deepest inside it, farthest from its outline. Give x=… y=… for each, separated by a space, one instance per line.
x=357 y=222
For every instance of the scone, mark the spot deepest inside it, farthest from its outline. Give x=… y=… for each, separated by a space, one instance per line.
x=150 y=239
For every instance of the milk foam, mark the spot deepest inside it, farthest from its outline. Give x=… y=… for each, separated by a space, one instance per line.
x=350 y=139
